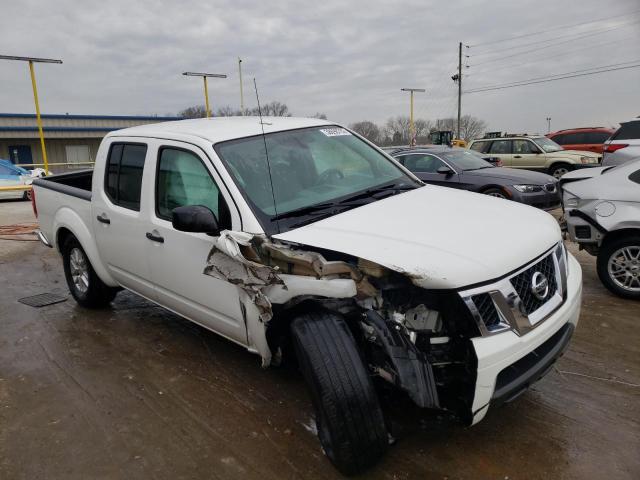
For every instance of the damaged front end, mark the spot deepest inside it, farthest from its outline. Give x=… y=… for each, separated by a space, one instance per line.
x=414 y=339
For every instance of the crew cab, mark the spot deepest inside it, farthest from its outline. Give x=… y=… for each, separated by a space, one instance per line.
x=297 y=238
x=535 y=152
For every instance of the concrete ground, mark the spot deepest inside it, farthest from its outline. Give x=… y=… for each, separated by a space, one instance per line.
x=137 y=392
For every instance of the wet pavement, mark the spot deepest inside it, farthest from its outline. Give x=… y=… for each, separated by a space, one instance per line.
x=135 y=391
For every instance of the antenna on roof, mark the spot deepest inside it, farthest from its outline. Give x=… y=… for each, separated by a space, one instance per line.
x=266 y=152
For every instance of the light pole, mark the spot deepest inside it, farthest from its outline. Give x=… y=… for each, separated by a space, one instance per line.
x=206 y=91
x=241 y=91
x=412 y=130
x=548 y=124
x=31 y=61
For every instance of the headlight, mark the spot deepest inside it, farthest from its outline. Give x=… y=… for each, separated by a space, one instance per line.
x=570 y=201
x=588 y=160
x=528 y=188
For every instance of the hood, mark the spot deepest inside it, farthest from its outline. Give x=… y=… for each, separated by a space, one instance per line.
x=441 y=237
x=513 y=175
x=575 y=153
x=582 y=174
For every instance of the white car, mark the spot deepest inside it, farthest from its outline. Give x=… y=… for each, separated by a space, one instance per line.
x=624 y=144
x=14 y=176
x=602 y=211
x=297 y=235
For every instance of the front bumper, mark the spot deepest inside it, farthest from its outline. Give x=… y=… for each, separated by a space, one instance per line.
x=543 y=200
x=496 y=380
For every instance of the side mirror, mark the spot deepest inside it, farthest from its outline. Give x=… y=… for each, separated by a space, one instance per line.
x=445 y=171
x=196 y=219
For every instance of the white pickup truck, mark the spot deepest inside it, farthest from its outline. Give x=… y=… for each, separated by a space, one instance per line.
x=298 y=238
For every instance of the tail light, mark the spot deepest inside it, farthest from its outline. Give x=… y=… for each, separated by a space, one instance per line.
x=612 y=147
x=33 y=202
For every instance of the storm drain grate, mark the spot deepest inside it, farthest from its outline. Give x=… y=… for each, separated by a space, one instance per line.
x=42 y=300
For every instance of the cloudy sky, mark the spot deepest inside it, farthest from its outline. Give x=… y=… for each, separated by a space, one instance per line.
x=347 y=59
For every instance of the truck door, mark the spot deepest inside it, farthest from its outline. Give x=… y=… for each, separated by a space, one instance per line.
x=119 y=218
x=502 y=150
x=184 y=176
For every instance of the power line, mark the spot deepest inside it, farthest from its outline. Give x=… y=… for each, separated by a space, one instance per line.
x=550 y=46
x=558 y=77
x=600 y=20
x=547 y=57
x=574 y=34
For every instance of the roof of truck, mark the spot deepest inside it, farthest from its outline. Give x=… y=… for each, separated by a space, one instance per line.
x=220 y=128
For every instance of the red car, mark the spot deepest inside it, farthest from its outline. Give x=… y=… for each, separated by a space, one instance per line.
x=590 y=139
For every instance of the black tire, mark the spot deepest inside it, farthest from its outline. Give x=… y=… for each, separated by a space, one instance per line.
x=349 y=419
x=495 y=192
x=27 y=195
x=610 y=249
x=96 y=294
x=558 y=169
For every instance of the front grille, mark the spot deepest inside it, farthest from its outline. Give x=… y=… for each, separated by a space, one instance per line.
x=487 y=310
x=522 y=284
x=550 y=187
x=583 y=231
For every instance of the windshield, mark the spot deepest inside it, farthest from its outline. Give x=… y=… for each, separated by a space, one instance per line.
x=315 y=167
x=547 y=144
x=465 y=160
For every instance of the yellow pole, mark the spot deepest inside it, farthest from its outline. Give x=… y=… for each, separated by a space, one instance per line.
x=411 y=128
x=241 y=92
x=206 y=97
x=38 y=119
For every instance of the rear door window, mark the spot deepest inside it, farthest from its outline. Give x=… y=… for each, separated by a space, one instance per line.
x=500 y=147
x=123 y=176
x=627 y=131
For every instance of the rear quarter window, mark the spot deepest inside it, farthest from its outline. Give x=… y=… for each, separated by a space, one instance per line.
x=480 y=146
x=627 y=131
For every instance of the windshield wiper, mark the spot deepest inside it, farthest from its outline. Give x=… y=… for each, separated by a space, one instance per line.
x=376 y=192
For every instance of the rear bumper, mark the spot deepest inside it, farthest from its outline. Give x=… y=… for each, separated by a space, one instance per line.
x=508 y=364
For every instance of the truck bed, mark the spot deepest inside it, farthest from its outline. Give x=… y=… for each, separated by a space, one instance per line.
x=77 y=184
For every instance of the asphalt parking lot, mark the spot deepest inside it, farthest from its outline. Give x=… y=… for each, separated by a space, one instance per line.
x=137 y=392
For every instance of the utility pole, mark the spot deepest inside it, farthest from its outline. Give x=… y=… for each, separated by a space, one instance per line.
x=412 y=130
x=241 y=92
x=206 y=90
x=548 y=124
x=459 y=86
x=31 y=61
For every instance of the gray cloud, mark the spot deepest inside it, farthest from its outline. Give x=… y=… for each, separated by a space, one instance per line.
x=347 y=59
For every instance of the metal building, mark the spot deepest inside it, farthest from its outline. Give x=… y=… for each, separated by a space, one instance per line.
x=71 y=140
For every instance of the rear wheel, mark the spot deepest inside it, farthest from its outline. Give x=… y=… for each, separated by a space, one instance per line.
x=495 y=192
x=559 y=169
x=85 y=286
x=348 y=415
x=619 y=266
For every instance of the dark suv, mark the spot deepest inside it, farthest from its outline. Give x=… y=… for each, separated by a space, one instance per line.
x=589 y=139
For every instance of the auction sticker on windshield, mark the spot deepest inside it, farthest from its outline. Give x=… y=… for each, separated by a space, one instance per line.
x=334 y=132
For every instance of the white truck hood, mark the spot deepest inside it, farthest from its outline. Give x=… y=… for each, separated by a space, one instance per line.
x=441 y=237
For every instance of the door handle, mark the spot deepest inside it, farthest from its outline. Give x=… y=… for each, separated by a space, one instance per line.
x=102 y=218
x=155 y=238
x=517 y=156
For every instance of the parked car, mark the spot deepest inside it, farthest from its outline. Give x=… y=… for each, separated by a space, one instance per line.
x=589 y=139
x=14 y=176
x=602 y=212
x=467 y=170
x=624 y=144
x=534 y=153
x=297 y=232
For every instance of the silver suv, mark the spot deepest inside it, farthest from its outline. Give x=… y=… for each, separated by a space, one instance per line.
x=624 y=144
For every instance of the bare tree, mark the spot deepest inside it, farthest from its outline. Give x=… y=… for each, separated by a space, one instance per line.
x=470 y=127
x=197 y=111
x=368 y=130
x=321 y=116
x=227 y=111
x=273 y=109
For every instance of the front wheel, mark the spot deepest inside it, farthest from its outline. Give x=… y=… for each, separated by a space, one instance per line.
x=85 y=286
x=348 y=415
x=619 y=266
x=559 y=169
x=495 y=192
